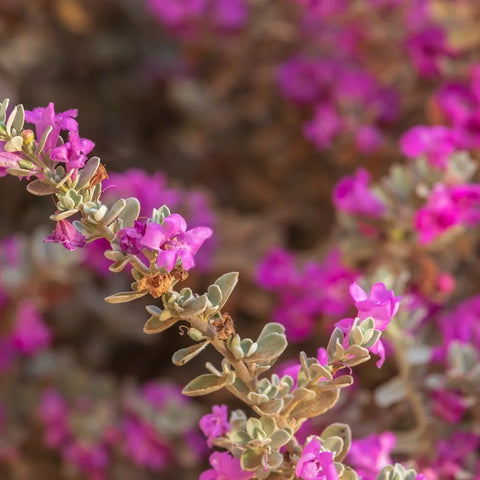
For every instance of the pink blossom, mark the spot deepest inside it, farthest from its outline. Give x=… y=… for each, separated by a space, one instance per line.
x=30 y=334
x=74 y=152
x=130 y=237
x=91 y=459
x=7 y=160
x=215 y=424
x=436 y=143
x=381 y=304
x=315 y=463
x=53 y=412
x=368 y=139
x=173 y=242
x=427 y=49
x=370 y=454
x=448 y=405
x=447 y=207
x=305 y=292
x=44 y=117
x=229 y=15
x=352 y=195
x=225 y=467
x=144 y=445
x=325 y=126
x=66 y=234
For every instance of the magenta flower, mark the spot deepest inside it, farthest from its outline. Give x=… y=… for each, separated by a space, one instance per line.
x=215 y=424
x=44 y=117
x=436 y=143
x=130 y=237
x=225 y=467
x=144 y=445
x=173 y=242
x=370 y=454
x=229 y=15
x=306 y=292
x=178 y=15
x=74 y=152
x=66 y=234
x=352 y=195
x=368 y=139
x=324 y=127
x=447 y=207
x=91 y=459
x=30 y=334
x=53 y=412
x=448 y=405
x=381 y=304
x=7 y=160
x=315 y=463
x=427 y=49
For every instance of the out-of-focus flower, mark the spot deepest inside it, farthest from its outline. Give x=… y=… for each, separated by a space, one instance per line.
x=370 y=454
x=30 y=334
x=324 y=127
x=215 y=424
x=225 y=467
x=448 y=405
x=436 y=143
x=352 y=195
x=53 y=412
x=316 y=463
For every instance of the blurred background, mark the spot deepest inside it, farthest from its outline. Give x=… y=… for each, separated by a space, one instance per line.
x=240 y=114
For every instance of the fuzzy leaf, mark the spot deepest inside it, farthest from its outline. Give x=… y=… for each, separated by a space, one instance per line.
x=130 y=213
x=214 y=294
x=155 y=325
x=323 y=401
x=204 y=384
x=40 y=189
x=251 y=459
x=114 y=211
x=87 y=172
x=269 y=348
x=226 y=283
x=240 y=437
x=123 y=297
x=273 y=407
x=184 y=355
x=342 y=431
x=280 y=438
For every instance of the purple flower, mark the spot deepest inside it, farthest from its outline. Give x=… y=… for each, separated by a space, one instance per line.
x=74 y=152
x=450 y=406
x=91 y=459
x=307 y=292
x=325 y=126
x=229 y=15
x=215 y=424
x=368 y=139
x=370 y=454
x=7 y=160
x=178 y=15
x=447 y=207
x=130 y=237
x=315 y=463
x=144 y=445
x=225 y=467
x=436 y=143
x=173 y=242
x=66 y=234
x=381 y=304
x=53 y=412
x=44 y=117
x=352 y=195
x=30 y=334
x=427 y=49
